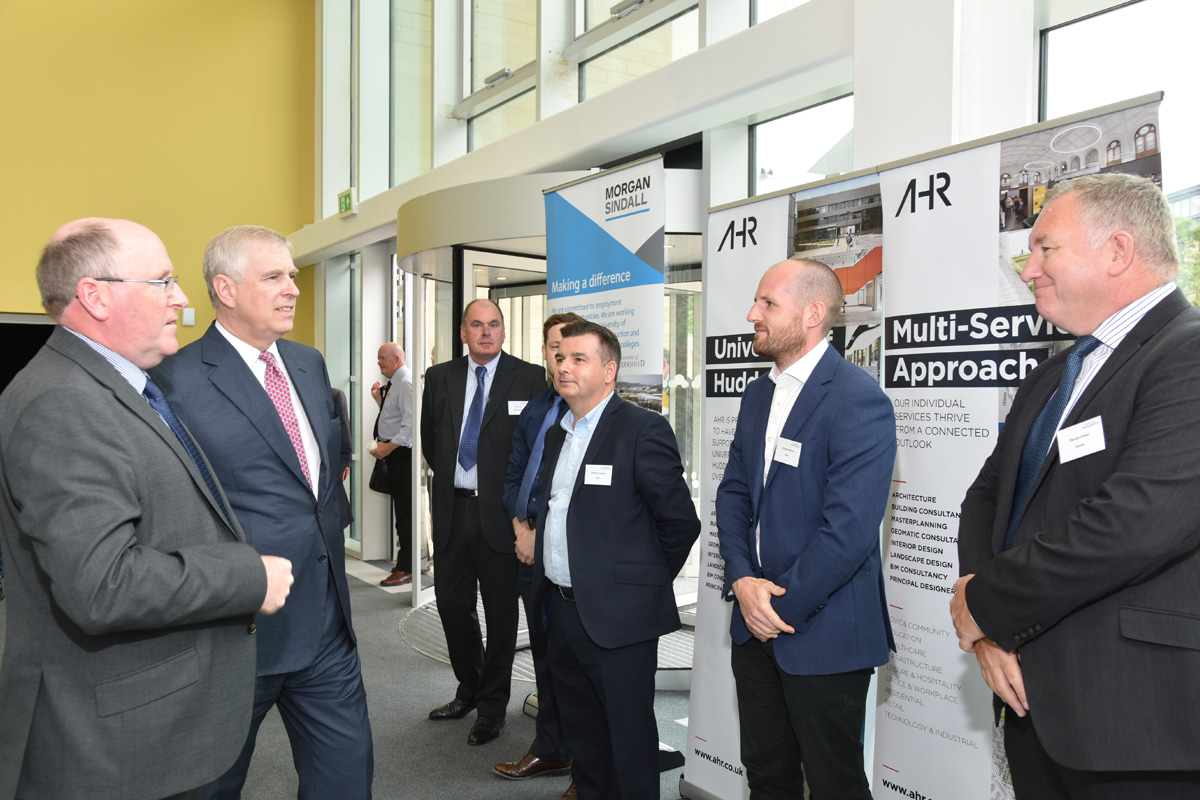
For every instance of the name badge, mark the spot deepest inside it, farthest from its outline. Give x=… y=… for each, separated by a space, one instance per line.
x=1080 y=440
x=516 y=406
x=597 y=475
x=787 y=452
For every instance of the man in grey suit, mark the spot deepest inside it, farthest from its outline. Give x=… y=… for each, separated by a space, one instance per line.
x=1079 y=542
x=262 y=409
x=129 y=661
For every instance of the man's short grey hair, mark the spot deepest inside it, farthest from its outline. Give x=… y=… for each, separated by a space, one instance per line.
x=226 y=253
x=1115 y=202
x=89 y=252
x=817 y=282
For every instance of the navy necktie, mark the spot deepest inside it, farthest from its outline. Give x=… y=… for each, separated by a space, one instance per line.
x=535 y=462
x=159 y=403
x=1041 y=435
x=468 y=447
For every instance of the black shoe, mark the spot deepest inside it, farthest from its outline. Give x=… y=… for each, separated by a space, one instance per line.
x=485 y=729
x=455 y=709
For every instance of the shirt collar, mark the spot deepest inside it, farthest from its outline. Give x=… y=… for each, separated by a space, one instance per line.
x=803 y=368
x=127 y=369
x=589 y=419
x=1112 y=331
x=248 y=352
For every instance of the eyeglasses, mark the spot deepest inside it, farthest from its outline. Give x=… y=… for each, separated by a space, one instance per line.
x=166 y=283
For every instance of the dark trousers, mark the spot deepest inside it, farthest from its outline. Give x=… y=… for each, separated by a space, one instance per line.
x=797 y=726
x=548 y=743
x=468 y=568
x=324 y=710
x=399 y=470
x=606 y=703
x=1036 y=776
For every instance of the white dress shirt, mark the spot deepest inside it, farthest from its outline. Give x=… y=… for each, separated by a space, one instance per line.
x=469 y=478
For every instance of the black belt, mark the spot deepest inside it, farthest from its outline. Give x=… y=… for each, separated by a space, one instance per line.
x=464 y=492
x=566 y=591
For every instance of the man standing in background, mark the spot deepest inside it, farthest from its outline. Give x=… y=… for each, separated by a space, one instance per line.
x=469 y=412
x=523 y=497
x=262 y=409
x=798 y=516
x=393 y=444
x=129 y=660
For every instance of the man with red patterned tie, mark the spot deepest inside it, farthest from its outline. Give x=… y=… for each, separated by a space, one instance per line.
x=261 y=408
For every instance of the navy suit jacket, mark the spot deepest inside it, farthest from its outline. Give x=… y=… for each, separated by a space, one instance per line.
x=524 y=439
x=1100 y=591
x=819 y=520
x=231 y=416
x=627 y=541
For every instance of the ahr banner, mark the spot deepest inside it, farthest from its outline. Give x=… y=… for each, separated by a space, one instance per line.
x=951 y=333
x=604 y=261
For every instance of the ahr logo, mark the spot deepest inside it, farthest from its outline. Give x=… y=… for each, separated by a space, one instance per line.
x=749 y=226
x=911 y=194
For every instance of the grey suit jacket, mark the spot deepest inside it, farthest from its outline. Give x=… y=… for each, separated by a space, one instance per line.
x=128 y=667
x=1100 y=592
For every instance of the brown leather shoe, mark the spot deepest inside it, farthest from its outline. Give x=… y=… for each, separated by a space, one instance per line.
x=570 y=793
x=530 y=766
x=398 y=577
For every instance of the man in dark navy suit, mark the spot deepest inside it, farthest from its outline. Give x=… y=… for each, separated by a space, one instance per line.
x=616 y=527
x=262 y=409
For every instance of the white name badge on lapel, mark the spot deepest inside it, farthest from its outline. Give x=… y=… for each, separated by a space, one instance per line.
x=516 y=406
x=597 y=475
x=788 y=452
x=1081 y=439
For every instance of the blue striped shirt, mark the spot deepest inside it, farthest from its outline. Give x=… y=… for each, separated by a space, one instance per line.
x=1111 y=333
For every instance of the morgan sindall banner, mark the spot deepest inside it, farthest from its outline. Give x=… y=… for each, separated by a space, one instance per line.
x=604 y=260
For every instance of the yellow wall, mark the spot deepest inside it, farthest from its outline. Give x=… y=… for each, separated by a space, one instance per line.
x=187 y=116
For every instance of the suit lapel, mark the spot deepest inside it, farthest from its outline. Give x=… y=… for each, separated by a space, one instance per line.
x=230 y=375
x=105 y=374
x=811 y=395
x=502 y=381
x=603 y=426
x=456 y=389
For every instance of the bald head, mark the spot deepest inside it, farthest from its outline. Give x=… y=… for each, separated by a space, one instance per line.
x=796 y=304
x=390 y=358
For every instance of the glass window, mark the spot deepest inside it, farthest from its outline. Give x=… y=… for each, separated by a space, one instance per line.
x=502 y=120
x=1156 y=38
x=803 y=147
x=595 y=12
x=765 y=9
x=503 y=34
x=412 y=89
x=672 y=40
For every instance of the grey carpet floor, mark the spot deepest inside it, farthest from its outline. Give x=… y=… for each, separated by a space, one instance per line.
x=414 y=757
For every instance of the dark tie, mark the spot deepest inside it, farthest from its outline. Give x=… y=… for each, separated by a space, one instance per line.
x=277 y=388
x=468 y=446
x=535 y=462
x=382 y=399
x=159 y=403
x=1037 y=443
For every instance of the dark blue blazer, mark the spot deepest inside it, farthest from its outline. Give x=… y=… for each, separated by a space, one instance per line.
x=231 y=416
x=524 y=438
x=626 y=541
x=819 y=520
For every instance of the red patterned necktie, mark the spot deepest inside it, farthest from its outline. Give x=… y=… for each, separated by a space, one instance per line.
x=277 y=388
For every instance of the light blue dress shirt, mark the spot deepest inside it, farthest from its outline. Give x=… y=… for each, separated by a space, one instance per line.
x=570 y=459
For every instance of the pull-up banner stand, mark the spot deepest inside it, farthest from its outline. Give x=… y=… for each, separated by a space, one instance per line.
x=950 y=333
x=605 y=236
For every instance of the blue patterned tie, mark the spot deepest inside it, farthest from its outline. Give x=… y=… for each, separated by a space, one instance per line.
x=1037 y=443
x=535 y=461
x=468 y=447
x=159 y=403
